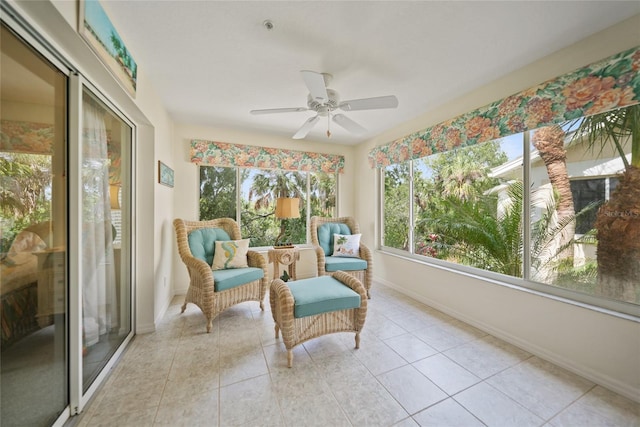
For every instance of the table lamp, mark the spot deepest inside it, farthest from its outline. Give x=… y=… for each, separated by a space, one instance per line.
x=286 y=207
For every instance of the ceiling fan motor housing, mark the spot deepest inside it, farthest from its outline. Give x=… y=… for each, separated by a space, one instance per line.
x=324 y=107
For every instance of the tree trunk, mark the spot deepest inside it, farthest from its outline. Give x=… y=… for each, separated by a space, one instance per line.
x=549 y=141
x=618 y=233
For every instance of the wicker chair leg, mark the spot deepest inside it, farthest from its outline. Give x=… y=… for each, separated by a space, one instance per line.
x=261 y=306
x=184 y=307
x=289 y=358
x=357 y=339
x=277 y=331
x=209 y=325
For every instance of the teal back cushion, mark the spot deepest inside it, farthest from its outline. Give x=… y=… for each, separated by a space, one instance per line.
x=202 y=242
x=326 y=232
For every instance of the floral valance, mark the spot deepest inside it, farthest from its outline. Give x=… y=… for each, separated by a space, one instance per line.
x=26 y=137
x=212 y=153
x=605 y=85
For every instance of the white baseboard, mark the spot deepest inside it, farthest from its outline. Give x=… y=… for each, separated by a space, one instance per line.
x=145 y=328
x=606 y=381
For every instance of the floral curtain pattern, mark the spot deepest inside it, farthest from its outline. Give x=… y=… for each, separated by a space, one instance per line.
x=602 y=86
x=210 y=153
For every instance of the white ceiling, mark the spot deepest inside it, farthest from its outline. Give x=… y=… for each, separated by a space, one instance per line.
x=211 y=62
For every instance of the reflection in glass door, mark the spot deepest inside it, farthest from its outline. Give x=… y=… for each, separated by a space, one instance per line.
x=33 y=251
x=105 y=234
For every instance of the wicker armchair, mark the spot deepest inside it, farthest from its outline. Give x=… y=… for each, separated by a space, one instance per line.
x=203 y=291
x=328 y=264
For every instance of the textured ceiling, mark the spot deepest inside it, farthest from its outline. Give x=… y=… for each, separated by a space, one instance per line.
x=211 y=62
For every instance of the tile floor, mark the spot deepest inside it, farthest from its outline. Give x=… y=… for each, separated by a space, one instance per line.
x=415 y=366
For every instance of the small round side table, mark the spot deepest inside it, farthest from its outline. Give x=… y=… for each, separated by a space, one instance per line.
x=286 y=257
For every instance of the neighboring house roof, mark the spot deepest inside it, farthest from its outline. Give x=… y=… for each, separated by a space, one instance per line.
x=603 y=165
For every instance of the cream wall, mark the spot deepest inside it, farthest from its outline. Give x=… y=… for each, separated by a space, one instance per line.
x=602 y=347
x=187 y=179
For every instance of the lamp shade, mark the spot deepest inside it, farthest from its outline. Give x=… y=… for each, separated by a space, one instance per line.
x=288 y=207
x=114 y=192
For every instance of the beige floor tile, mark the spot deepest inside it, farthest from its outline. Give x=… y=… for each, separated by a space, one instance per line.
x=200 y=408
x=318 y=408
x=378 y=357
x=439 y=338
x=411 y=389
x=540 y=386
x=410 y=347
x=252 y=403
x=495 y=409
x=142 y=417
x=446 y=374
x=235 y=367
x=447 y=413
x=369 y=403
x=407 y=422
x=600 y=407
x=487 y=356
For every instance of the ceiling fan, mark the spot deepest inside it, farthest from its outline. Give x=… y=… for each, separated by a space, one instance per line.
x=325 y=102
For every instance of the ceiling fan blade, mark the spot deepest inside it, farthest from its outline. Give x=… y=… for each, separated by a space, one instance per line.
x=279 y=110
x=316 y=85
x=349 y=124
x=306 y=127
x=389 y=101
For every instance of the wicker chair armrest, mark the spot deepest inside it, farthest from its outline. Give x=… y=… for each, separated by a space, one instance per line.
x=357 y=286
x=320 y=258
x=200 y=273
x=283 y=311
x=353 y=283
x=197 y=266
x=255 y=259
x=365 y=254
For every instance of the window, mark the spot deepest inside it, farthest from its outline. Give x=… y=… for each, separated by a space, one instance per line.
x=468 y=207
x=225 y=191
x=590 y=192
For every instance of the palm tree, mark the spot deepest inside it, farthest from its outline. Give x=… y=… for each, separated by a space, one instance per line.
x=618 y=220
x=479 y=234
x=549 y=141
x=268 y=185
x=473 y=233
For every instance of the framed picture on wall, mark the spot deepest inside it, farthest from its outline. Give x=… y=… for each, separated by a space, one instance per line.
x=165 y=174
x=96 y=29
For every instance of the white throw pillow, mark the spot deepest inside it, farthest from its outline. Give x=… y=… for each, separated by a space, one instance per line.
x=346 y=245
x=230 y=254
x=23 y=246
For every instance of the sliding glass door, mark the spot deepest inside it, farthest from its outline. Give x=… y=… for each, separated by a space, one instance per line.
x=105 y=160
x=34 y=244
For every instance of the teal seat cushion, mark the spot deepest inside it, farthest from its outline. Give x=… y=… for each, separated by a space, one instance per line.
x=202 y=242
x=227 y=279
x=321 y=295
x=335 y=263
x=326 y=232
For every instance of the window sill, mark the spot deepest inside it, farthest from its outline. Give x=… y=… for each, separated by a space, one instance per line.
x=617 y=309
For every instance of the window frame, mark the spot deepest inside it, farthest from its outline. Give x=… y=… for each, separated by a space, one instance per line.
x=613 y=307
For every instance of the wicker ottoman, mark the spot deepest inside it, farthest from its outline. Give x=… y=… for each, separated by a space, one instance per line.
x=309 y=308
